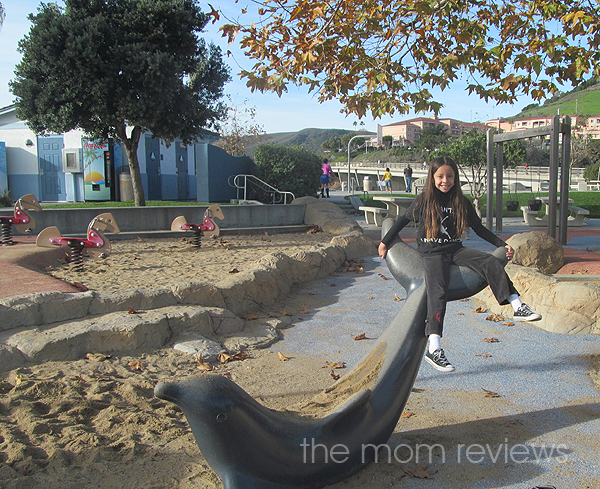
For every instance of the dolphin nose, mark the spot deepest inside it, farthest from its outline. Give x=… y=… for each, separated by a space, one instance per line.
x=167 y=391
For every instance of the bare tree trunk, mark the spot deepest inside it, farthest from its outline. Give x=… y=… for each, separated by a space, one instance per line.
x=131 y=146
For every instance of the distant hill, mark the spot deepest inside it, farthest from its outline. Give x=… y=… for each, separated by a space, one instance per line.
x=582 y=102
x=309 y=139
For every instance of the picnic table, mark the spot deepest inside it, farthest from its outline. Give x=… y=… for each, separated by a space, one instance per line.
x=396 y=206
x=575 y=218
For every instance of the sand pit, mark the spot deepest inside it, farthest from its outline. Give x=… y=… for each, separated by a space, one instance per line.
x=160 y=262
x=94 y=422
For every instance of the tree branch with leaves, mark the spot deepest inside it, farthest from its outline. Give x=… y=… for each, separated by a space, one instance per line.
x=386 y=56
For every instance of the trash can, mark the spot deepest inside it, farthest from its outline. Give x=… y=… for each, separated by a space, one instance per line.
x=367 y=183
x=125 y=187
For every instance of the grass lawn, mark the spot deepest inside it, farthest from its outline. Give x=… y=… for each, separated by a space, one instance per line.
x=587 y=200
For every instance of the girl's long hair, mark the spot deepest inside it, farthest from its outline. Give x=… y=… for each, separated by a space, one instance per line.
x=432 y=204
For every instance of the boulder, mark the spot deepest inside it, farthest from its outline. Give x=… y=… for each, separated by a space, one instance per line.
x=356 y=244
x=566 y=307
x=328 y=216
x=537 y=250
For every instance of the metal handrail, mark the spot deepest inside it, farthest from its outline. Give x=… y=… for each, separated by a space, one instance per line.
x=241 y=182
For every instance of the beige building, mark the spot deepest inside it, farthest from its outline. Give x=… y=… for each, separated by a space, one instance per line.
x=407 y=132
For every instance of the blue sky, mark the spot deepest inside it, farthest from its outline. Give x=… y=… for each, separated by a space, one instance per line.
x=295 y=110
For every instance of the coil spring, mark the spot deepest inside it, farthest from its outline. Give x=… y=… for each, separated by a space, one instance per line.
x=76 y=256
x=7 y=234
x=197 y=240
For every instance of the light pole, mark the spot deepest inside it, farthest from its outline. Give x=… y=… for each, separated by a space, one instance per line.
x=353 y=137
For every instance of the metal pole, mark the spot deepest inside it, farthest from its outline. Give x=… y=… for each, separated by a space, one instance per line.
x=499 y=170
x=553 y=185
x=353 y=137
x=564 y=181
x=490 y=179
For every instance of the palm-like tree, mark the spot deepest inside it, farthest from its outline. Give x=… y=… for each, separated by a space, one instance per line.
x=2 y=14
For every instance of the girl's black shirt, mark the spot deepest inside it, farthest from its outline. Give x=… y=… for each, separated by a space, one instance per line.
x=447 y=239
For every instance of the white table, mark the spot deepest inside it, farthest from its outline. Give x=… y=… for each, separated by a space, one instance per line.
x=396 y=206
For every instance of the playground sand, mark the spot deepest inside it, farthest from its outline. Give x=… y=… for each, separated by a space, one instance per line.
x=94 y=423
x=161 y=262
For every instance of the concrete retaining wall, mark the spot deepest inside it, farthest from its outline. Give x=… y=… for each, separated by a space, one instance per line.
x=137 y=219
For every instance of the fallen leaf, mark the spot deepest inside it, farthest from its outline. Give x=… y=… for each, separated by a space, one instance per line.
x=272 y=315
x=265 y=239
x=97 y=357
x=235 y=270
x=312 y=293
x=224 y=357
x=494 y=317
x=361 y=336
x=334 y=365
x=406 y=414
x=485 y=355
x=249 y=317
x=481 y=310
x=334 y=375
x=332 y=284
x=141 y=240
x=80 y=286
x=491 y=340
x=284 y=313
x=314 y=229
x=420 y=471
x=396 y=298
x=464 y=300
x=507 y=323
x=490 y=393
x=382 y=276
x=304 y=310
x=460 y=313
x=282 y=357
x=137 y=365
x=132 y=310
x=203 y=365
x=370 y=298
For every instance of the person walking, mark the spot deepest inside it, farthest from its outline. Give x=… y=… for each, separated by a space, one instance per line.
x=387 y=179
x=443 y=215
x=408 y=172
x=325 y=177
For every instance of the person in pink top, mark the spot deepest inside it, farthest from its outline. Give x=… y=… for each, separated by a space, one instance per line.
x=327 y=172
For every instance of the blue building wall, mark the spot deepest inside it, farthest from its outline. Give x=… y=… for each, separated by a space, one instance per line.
x=214 y=167
x=3 y=168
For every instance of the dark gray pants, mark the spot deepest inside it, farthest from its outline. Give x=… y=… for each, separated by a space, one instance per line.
x=437 y=277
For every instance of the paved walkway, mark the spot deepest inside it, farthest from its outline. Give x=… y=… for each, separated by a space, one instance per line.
x=549 y=409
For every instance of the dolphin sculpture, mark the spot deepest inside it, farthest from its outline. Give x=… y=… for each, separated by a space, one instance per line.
x=252 y=447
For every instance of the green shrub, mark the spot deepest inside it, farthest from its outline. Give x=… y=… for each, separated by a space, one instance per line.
x=5 y=199
x=591 y=172
x=289 y=169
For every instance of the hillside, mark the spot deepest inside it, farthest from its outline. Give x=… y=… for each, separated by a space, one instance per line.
x=309 y=139
x=583 y=103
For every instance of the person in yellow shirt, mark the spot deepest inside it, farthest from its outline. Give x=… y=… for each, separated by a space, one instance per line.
x=387 y=178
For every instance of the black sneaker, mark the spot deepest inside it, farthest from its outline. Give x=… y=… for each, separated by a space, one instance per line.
x=524 y=313
x=438 y=360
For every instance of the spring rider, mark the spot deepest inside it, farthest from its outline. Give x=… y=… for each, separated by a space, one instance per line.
x=208 y=224
x=21 y=219
x=95 y=245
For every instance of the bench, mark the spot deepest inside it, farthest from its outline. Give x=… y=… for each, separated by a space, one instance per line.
x=374 y=215
x=577 y=215
x=530 y=217
x=575 y=219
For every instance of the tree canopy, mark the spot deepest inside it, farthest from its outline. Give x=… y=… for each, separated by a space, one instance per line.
x=118 y=68
x=387 y=55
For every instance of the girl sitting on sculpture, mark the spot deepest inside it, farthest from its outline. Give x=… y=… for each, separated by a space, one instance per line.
x=443 y=215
